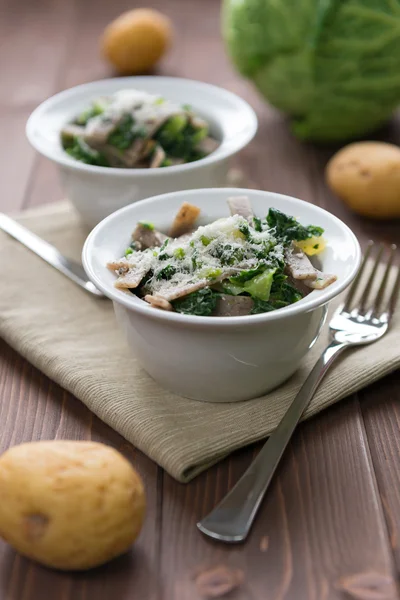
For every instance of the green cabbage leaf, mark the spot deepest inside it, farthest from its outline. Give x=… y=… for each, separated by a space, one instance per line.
x=333 y=66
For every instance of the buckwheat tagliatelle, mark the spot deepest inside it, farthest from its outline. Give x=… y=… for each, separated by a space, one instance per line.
x=134 y=129
x=237 y=265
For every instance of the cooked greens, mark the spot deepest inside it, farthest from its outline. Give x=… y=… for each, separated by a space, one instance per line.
x=238 y=265
x=201 y=303
x=133 y=129
x=288 y=228
x=258 y=286
x=80 y=150
x=97 y=108
x=281 y=294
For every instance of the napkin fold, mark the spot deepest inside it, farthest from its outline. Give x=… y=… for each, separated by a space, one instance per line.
x=73 y=338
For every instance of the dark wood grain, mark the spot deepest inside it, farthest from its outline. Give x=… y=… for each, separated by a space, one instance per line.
x=330 y=525
x=35 y=38
x=17 y=160
x=380 y=405
x=309 y=537
x=34 y=408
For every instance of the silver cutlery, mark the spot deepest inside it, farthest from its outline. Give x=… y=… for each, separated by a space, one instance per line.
x=353 y=324
x=49 y=253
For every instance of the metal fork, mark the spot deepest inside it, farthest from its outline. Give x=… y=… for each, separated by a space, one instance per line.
x=358 y=325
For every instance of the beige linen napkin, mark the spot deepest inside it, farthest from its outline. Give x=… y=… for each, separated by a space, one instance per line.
x=73 y=338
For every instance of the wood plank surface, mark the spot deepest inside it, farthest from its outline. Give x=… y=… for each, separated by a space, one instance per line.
x=330 y=525
x=34 y=408
x=380 y=405
x=308 y=538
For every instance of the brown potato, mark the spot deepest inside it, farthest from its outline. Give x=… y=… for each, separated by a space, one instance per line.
x=136 y=40
x=366 y=175
x=69 y=505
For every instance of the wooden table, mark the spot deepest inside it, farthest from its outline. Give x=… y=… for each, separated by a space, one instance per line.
x=331 y=521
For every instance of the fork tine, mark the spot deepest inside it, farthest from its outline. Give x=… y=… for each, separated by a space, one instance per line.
x=379 y=297
x=367 y=289
x=354 y=285
x=394 y=296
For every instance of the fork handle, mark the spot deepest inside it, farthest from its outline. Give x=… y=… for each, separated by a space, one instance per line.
x=232 y=519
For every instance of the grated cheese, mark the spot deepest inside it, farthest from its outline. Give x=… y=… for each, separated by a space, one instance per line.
x=143 y=106
x=210 y=254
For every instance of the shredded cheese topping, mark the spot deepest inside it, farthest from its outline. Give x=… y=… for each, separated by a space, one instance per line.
x=146 y=108
x=227 y=245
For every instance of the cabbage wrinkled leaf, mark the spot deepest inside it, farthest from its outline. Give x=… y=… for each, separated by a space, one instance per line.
x=332 y=65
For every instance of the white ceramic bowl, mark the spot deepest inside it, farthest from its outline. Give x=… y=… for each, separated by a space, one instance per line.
x=98 y=191
x=219 y=359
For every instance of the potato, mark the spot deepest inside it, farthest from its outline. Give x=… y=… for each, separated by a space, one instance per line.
x=313 y=245
x=366 y=175
x=69 y=505
x=136 y=40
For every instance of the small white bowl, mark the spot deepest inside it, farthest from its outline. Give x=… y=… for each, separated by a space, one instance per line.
x=98 y=191
x=219 y=359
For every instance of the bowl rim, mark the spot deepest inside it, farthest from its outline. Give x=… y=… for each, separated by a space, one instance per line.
x=307 y=304
x=243 y=108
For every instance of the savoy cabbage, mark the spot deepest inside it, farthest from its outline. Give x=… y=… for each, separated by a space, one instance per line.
x=332 y=65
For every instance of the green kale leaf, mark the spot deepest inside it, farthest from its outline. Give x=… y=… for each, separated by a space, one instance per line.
x=201 y=303
x=81 y=151
x=247 y=274
x=179 y=138
x=227 y=254
x=259 y=286
x=93 y=111
x=166 y=273
x=126 y=133
x=281 y=294
x=288 y=228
